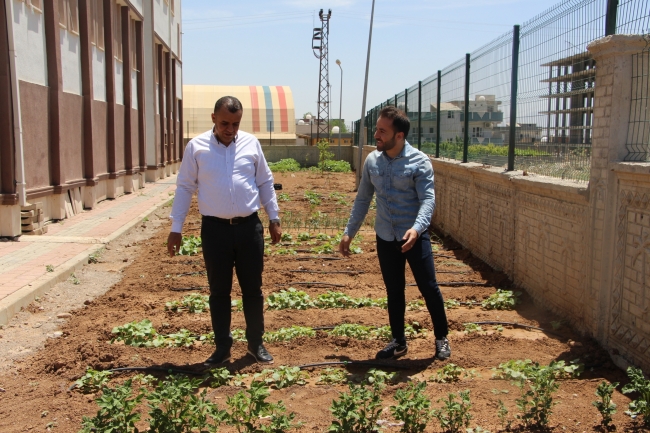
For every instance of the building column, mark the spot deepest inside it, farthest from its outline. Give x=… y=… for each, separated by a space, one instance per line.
x=162 y=127
x=85 y=29
x=168 y=115
x=142 y=131
x=55 y=85
x=131 y=173
x=109 y=49
x=612 y=101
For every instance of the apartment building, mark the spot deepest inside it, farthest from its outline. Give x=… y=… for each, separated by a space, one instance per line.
x=90 y=102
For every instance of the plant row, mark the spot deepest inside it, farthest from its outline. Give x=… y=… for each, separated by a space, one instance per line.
x=176 y=405
x=293 y=299
x=143 y=334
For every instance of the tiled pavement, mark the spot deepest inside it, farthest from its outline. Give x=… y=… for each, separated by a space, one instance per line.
x=24 y=264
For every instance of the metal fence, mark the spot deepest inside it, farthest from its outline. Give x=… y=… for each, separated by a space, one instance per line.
x=537 y=116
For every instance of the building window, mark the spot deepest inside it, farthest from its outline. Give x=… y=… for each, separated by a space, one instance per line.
x=97 y=28
x=477 y=132
x=430 y=130
x=117 y=33
x=450 y=114
x=69 y=15
x=36 y=5
x=134 y=52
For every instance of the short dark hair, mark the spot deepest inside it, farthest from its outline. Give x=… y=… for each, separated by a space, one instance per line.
x=230 y=102
x=401 y=122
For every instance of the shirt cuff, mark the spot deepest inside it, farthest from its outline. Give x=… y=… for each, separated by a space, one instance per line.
x=177 y=226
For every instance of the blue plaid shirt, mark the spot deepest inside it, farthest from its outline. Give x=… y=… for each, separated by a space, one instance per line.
x=405 y=195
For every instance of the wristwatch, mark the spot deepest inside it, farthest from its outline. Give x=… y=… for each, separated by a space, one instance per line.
x=275 y=221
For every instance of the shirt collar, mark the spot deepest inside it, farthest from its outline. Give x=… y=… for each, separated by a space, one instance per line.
x=234 y=140
x=402 y=153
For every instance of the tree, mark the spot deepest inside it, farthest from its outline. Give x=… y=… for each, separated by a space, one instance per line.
x=340 y=124
x=304 y=116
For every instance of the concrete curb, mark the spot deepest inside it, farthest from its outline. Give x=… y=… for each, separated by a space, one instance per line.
x=21 y=298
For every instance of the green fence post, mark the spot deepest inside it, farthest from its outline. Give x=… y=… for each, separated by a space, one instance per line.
x=513 y=98
x=438 y=115
x=395 y=101
x=466 y=123
x=419 y=114
x=610 y=18
x=406 y=101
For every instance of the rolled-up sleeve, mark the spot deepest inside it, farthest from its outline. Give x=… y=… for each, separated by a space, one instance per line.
x=186 y=186
x=361 y=203
x=426 y=195
x=264 y=182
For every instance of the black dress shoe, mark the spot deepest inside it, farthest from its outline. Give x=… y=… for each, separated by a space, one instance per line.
x=260 y=354
x=219 y=356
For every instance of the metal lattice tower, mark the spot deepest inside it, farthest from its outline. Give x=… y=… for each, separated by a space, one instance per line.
x=319 y=45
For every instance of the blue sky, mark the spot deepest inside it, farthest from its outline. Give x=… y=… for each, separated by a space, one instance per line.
x=254 y=42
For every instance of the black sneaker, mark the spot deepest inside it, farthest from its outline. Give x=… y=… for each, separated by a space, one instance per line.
x=393 y=351
x=219 y=356
x=260 y=354
x=443 y=351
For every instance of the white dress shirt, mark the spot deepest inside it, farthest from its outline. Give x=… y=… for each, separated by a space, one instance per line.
x=232 y=181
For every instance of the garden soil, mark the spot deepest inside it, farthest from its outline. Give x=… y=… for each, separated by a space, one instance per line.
x=50 y=344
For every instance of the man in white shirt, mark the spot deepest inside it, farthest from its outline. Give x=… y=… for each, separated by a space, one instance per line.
x=228 y=169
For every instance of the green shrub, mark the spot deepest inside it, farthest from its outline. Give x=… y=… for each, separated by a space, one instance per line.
x=356 y=411
x=248 y=410
x=413 y=408
x=638 y=384
x=501 y=300
x=116 y=411
x=93 y=380
x=605 y=405
x=284 y=165
x=454 y=414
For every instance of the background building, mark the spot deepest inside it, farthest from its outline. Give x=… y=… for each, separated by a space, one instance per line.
x=90 y=102
x=268 y=111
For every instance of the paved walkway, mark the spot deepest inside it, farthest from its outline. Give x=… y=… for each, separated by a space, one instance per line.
x=31 y=266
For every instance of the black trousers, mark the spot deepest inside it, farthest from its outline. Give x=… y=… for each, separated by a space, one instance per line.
x=240 y=246
x=392 y=263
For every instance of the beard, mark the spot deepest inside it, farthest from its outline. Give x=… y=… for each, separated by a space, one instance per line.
x=386 y=145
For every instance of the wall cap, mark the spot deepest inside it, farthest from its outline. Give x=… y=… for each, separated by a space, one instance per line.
x=617 y=45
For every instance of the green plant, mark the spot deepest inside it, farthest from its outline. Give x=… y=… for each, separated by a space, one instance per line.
x=502 y=413
x=93 y=380
x=356 y=411
x=218 y=377
x=605 y=405
x=639 y=384
x=283 y=196
x=116 y=411
x=94 y=257
x=237 y=305
x=326 y=248
x=284 y=376
x=303 y=237
x=175 y=408
x=248 y=409
x=194 y=303
x=239 y=380
x=183 y=338
x=331 y=376
x=285 y=251
x=537 y=385
x=415 y=305
x=138 y=334
x=74 y=280
x=286 y=334
x=312 y=197
x=289 y=299
x=501 y=300
x=557 y=324
x=284 y=165
x=516 y=369
x=454 y=414
x=286 y=237
x=359 y=332
x=450 y=304
x=378 y=377
x=340 y=300
x=413 y=408
x=324 y=155
x=49 y=268
x=190 y=245
x=472 y=327
x=449 y=373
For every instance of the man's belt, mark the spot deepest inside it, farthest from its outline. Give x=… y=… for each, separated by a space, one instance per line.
x=235 y=220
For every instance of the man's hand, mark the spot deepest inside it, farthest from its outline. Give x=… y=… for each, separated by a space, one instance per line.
x=410 y=237
x=276 y=232
x=344 y=245
x=174 y=243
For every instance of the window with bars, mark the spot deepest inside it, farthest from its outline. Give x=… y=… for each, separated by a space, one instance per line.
x=97 y=25
x=117 y=33
x=69 y=15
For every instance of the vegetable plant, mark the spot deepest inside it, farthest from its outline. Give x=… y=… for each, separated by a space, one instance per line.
x=284 y=165
x=638 y=384
x=116 y=411
x=284 y=376
x=454 y=414
x=501 y=300
x=138 y=334
x=190 y=245
x=413 y=408
x=303 y=237
x=472 y=327
x=502 y=413
x=450 y=304
x=289 y=299
x=286 y=334
x=93 y=380
x=193 y=303
x=331 y=376
x=605 y=405
x=356 y=411
x=218 y=377
x=283 y=196
x=248 y=409
x=449 y=373
x=359 y=332
x=312 y=197
x=378 y=377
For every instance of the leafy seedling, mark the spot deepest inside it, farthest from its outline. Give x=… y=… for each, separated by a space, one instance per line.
x=638 y=384
x=454 y=414
x=501 y=300
x=357 y=410
x=116 y=411
x=93 y=380
x=413 y=408
x=284 y=376
x=289 y=299
x=331 y=376
x=190 y=245
x=605 y=405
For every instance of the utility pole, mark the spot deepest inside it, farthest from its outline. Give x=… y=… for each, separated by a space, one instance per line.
x=320 y=48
